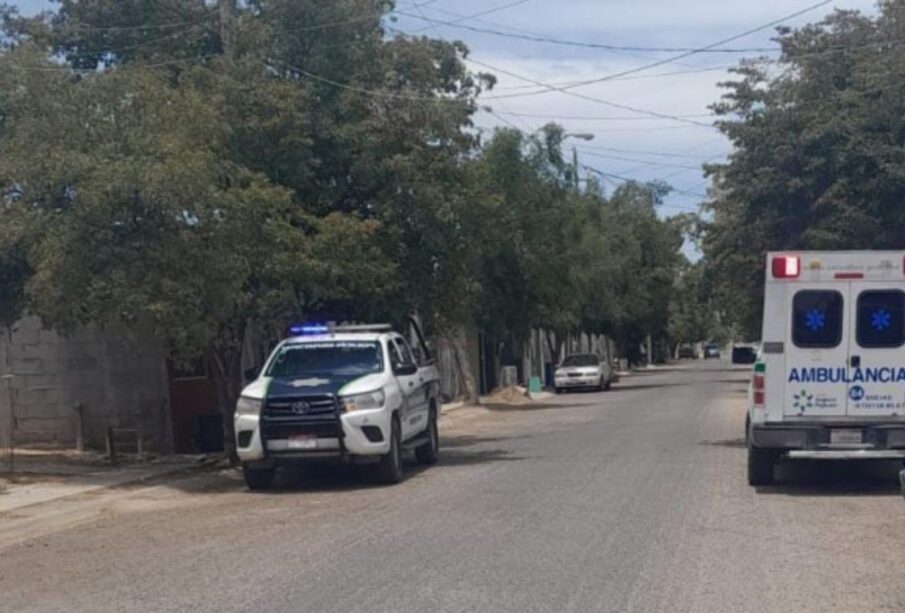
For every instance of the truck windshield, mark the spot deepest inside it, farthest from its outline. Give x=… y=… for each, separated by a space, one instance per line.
x=339 y=358
x=581 y=360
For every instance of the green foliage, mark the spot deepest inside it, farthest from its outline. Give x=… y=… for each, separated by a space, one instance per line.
x=306 y=163
x=818 y=158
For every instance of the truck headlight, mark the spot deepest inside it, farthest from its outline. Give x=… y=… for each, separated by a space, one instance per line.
x=363 y=402
x=248 y=406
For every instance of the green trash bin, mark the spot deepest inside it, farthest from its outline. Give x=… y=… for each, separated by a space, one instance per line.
x=534 y=385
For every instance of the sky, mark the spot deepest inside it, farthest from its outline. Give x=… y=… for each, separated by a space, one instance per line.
x=631 y=137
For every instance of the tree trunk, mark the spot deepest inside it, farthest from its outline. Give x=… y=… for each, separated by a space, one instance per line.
x=467 y=386
x=226 y=355
x=554 y=348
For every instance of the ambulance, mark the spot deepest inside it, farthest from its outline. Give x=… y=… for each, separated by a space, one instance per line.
x=829 y=380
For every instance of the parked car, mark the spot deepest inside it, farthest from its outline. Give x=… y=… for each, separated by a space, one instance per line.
x=711 y=351
x=744 y=354
x=687 y=352
x=583 y=370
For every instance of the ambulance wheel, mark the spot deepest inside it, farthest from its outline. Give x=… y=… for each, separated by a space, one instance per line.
x=258 y=479
x=389 y=471
x=427 y=453
x=761 y=464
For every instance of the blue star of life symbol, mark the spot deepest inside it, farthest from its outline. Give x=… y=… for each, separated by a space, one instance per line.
x=880 y=320
x=814 y=320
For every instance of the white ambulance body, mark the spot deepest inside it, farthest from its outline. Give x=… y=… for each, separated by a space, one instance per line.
x=830 y=380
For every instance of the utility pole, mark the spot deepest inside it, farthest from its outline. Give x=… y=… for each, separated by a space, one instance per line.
x=227 y=12
x=585 y=137
x=575 y=166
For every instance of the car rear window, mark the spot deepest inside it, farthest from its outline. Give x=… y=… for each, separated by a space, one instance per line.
x=817 y=319
x=881 y=318
x=581 y=360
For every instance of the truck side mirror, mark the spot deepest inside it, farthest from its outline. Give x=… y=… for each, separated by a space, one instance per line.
x=405 y=370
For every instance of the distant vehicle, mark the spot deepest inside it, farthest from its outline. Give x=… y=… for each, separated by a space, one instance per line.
x=687 y=352
x=744 y=354
x=353 y=394
x=828 y=381
x=583 y=370
x=711 y=351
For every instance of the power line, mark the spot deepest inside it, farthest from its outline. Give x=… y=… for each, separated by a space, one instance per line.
x=529 y=32
x=675 y=58
x=370 y=92
x=641 y=152
x=594 y=117
x=623 y=179
x=461 y=18
x=583 y=96
x=159 y=26
x=573 y=43
x=658 y=75
x=637 y=161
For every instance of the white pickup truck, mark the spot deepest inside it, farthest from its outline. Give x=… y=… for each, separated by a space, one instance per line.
x=354 y=394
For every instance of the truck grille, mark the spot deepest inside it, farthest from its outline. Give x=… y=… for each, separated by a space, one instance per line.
x=300 y=406
x=320 y=429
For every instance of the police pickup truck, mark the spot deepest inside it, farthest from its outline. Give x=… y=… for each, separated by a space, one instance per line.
x=353 y=394
x=829 y=382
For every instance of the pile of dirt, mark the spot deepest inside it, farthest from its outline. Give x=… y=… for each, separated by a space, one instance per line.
x=511 y=394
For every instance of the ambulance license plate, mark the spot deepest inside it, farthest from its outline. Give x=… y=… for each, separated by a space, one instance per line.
x=302 y=442
x=846 y=437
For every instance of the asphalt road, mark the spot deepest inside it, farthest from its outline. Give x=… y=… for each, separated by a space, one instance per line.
x=630 y=500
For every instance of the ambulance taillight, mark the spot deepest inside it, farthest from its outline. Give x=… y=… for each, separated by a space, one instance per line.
x=759 y=385
x=786 y=267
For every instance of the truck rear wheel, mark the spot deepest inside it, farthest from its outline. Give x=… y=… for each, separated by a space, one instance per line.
x=428 y=452
x=389 y=470
x=761 y=465
x=258 y=478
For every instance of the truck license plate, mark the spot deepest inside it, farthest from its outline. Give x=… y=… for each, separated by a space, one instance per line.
x=302 y=441
x=846 y=437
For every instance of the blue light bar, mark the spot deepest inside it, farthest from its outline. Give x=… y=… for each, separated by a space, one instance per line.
x=308 y=329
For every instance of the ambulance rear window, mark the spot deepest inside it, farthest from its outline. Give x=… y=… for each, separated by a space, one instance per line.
x=817 y=319
x=881 y=318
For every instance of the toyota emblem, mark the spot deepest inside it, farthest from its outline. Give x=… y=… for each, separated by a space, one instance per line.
x=300 y=408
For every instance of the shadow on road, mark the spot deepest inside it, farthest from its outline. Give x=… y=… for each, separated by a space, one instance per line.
x=733 y=443
x=656 y=371
x=819 y=479
x=644 y=386
x=507 y=408
x=327 y=477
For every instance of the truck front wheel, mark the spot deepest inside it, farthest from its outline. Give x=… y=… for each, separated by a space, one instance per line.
x=390 y=468
x=761 y=464
x=427 y=453
x=258 y=478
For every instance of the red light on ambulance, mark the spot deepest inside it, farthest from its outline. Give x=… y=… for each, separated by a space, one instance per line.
x=759 y=385
x=786 y=267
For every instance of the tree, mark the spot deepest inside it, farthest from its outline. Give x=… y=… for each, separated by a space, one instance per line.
x=132 y=210
x=817 y=160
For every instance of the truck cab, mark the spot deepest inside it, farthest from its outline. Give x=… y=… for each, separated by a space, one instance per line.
x=829 y=380
x=355 y=394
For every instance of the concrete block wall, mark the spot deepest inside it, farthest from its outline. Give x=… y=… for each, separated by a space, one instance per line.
x=120 y=379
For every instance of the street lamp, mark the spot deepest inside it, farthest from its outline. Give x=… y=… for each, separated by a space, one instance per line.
x=585 y=136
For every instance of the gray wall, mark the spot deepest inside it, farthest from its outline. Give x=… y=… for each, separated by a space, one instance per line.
x=120 y=379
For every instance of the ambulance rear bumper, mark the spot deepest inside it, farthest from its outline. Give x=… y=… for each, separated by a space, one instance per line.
x=818 y=437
